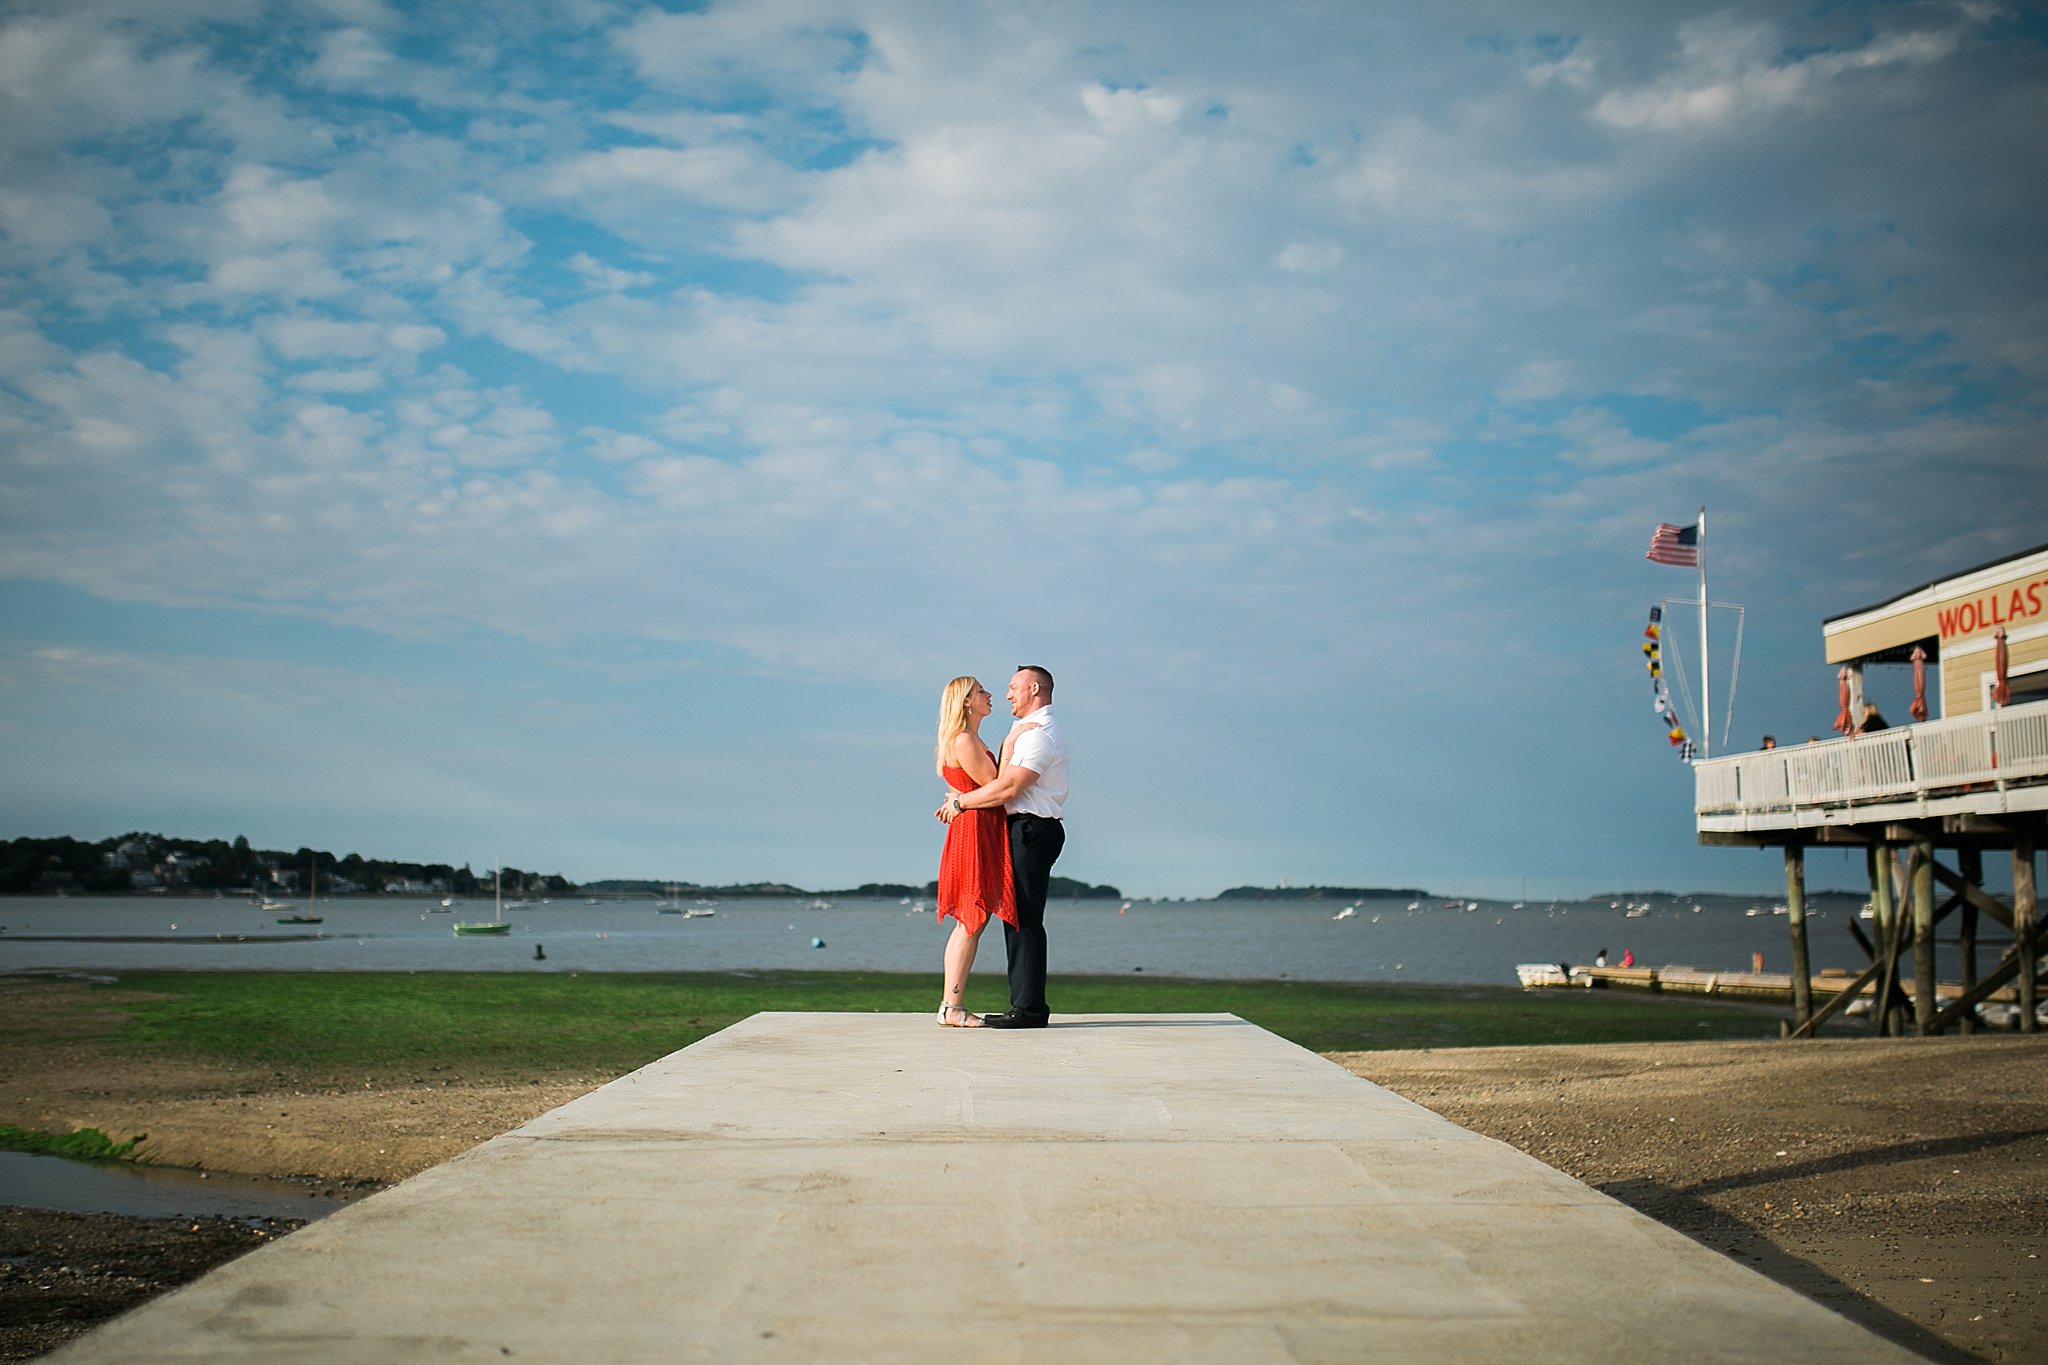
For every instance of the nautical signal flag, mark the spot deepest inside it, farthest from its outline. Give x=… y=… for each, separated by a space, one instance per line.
x=1679 y=545
x=1660 y=695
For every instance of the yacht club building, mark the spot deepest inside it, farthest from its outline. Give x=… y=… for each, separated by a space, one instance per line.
x=1928 y=799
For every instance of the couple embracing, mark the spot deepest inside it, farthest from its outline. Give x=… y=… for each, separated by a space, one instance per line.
x=1003 y=834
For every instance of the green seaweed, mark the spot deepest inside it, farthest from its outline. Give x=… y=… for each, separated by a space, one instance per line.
x=87 y=1144
x=364 y=1027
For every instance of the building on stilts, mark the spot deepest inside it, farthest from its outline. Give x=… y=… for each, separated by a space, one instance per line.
x=1929 y=802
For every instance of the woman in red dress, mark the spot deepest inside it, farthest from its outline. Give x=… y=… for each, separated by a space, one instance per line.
x=974 y=868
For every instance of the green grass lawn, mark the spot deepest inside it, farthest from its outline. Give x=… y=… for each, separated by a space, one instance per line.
x=364 y=1026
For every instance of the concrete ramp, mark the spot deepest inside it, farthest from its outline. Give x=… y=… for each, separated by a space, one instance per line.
x=866 y=1187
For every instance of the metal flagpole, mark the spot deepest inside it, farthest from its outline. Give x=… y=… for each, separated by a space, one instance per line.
x=1706 y=667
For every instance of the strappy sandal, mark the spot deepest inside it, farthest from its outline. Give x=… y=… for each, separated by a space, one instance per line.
x=967 y=1020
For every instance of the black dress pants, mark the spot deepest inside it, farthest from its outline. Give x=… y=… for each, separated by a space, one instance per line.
x=1035 y=844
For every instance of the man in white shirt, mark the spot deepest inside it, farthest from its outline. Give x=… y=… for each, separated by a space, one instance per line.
x=1030 y=784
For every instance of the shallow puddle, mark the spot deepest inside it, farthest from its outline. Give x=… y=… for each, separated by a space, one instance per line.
x=54 y=1182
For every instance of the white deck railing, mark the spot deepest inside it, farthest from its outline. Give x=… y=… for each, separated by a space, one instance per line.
x=1992 y=748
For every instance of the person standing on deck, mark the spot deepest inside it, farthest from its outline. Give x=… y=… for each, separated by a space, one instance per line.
x=1031 y=784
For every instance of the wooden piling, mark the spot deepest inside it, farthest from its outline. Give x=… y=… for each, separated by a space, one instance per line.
x=1879 y=860
x=2024 y=918
x=1795 y=905
x=1925 y=1006
x=1970 y=863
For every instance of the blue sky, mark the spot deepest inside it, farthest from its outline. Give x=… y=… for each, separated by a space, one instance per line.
x=591 y=434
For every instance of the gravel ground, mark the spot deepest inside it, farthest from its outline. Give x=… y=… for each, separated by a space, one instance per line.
x=62 y=1273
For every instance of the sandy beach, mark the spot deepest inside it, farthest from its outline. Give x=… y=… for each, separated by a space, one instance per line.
x=1903 y=1183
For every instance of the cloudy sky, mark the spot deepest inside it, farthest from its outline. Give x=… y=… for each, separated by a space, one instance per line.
x=590 y=433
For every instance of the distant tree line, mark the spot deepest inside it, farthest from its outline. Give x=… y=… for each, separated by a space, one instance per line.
x=1064 y=887
x=140 y=861
x=1322 y=893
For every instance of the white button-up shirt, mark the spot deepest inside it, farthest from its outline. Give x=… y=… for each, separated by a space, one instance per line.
x=1042 y=748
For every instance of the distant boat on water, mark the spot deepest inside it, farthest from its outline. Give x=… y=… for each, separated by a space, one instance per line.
x=498 y=925
x=311 y=915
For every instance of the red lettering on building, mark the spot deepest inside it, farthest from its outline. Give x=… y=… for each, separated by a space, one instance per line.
x=1993 y=609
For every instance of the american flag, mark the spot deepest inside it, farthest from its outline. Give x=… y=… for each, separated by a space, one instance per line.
x=1675 y=545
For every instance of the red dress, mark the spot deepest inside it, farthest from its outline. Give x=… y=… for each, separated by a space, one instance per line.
x=974 y=867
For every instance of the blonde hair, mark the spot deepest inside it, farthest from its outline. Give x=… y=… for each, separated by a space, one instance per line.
x=953 y=714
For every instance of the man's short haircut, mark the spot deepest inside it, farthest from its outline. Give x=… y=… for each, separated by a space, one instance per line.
x=1044 y=677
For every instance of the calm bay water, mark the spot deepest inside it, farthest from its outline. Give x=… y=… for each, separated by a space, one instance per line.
x=1383 y=941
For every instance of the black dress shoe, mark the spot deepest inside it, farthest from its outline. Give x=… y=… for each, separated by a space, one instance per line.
x=1013 y=1020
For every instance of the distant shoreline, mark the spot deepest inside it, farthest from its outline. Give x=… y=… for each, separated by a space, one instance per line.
x=1828 y=897
x=157 y=865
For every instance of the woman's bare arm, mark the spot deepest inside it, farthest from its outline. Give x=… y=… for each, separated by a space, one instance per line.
x=969 y=754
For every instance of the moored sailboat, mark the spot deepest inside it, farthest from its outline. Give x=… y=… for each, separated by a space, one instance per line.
x=311 y=915
x=496 y=925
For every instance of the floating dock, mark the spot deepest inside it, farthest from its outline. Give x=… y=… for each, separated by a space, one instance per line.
x=840 y=1187
x=1774 y=988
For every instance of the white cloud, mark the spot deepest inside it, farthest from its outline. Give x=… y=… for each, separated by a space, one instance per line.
x=608 y=279
x=1593 y=437
x=1536 y=379
x=634 y=181
x=797 y=50
x=1309 y=258
x=1729 y=68
x=337 y=381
